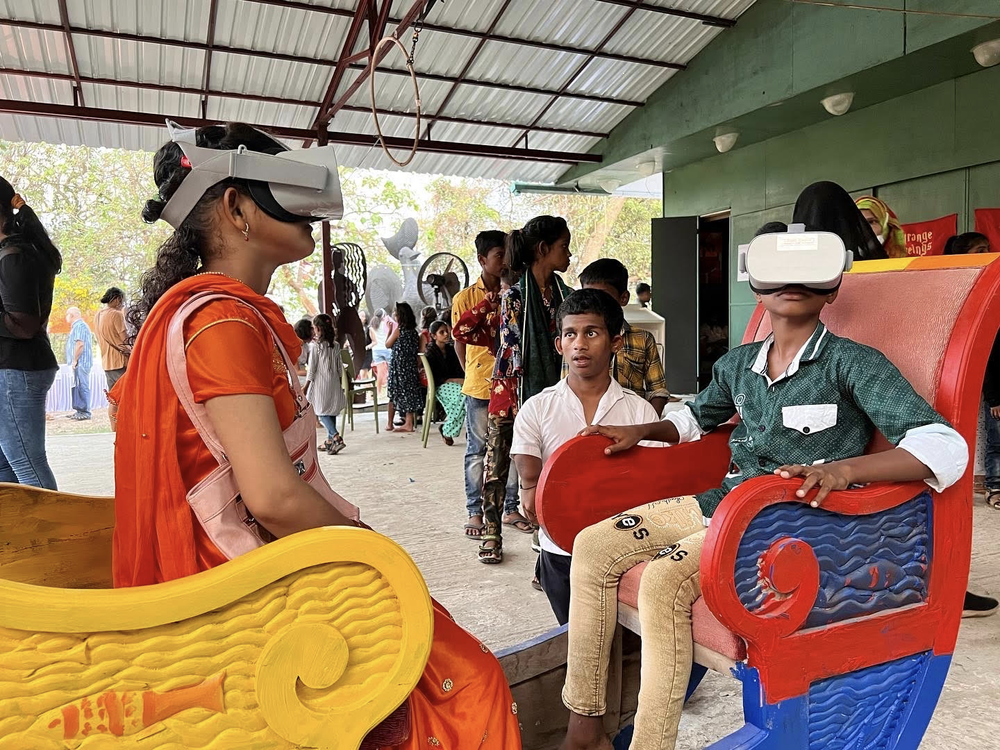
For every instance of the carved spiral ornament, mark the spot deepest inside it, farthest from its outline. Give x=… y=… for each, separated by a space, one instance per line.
x=790 y=570
x=315 y=654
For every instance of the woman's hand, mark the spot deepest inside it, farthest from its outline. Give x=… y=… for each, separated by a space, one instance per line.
x=624 y=437
x=828 y=477
x=995 y=412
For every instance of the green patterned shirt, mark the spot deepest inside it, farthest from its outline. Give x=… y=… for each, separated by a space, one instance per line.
x=825 y=407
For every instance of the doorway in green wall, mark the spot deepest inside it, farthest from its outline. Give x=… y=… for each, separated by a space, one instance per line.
x=713 y=292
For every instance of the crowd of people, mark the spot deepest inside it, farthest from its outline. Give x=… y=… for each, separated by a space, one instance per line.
x=533 y=364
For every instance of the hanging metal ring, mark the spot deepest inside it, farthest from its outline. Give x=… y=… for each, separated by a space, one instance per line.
x=416 y=97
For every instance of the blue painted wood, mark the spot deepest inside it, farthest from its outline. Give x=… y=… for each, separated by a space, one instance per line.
x=922 y=706
x=884 y=707
x=781 y=726
x=867 y=563
x=698 y=673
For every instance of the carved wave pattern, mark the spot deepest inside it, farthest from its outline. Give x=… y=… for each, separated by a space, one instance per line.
x=867 y=563
x=864 y=708
x=42 y=672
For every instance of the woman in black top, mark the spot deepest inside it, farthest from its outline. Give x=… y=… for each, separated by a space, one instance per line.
x=29 y=263
x=448 y=379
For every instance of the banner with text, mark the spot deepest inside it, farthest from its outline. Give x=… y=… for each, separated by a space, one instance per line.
x=988 y=223
x=929 y=237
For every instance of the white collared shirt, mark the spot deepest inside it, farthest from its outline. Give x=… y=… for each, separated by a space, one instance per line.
x=555 y=416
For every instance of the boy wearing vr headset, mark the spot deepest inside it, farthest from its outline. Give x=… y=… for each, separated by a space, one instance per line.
x=809 y=402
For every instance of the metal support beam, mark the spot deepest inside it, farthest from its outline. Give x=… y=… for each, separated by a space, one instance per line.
x=206 y=79
x=724 y=23
x=184 y=44
x=475 y=34
x=360 y=16
x=506 y=86
x=71 y=50
x=292 y=102
x=576 y=74
x=411 y=15
x=96 y=114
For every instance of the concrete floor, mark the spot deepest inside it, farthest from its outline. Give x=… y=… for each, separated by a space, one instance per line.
x=417 y=497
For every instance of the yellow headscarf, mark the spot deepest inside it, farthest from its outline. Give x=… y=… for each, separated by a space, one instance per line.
x=894 y=241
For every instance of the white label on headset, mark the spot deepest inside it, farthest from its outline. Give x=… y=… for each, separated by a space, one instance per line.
x=799 y=242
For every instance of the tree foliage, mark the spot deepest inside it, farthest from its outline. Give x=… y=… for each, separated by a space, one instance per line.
x=91 y=201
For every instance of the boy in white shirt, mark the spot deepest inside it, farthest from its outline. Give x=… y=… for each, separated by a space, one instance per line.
x=587 y=396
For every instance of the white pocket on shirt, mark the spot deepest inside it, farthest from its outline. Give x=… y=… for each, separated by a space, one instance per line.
x=809 y=418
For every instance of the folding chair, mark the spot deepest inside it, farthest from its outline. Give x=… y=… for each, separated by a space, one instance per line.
x=352 y=387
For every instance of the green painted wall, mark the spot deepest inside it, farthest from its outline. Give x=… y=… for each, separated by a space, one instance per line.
x=768 y=73
x=928 y=153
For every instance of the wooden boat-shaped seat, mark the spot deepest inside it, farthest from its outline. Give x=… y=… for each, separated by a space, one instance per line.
x=840 y=621
x=311 y=641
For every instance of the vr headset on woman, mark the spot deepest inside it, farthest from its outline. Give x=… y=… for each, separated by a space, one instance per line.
x=288 y=185
x=813 y=260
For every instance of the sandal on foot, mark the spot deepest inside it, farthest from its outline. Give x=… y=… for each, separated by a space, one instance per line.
x=447 y=440
x=491 y=555
x=325 y=447
x=521 y=524
x=338 y=446
x=993 y=499
x=477 y=527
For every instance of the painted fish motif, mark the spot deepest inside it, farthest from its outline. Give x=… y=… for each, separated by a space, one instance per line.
x=128 y=712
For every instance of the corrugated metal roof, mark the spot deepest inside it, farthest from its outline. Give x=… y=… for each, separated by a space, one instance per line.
x=484 y=99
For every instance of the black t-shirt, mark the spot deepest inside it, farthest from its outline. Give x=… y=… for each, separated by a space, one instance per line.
x=26 y=282
x=444 y=365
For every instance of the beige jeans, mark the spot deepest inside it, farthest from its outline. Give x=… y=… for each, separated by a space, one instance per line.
x=669 y=534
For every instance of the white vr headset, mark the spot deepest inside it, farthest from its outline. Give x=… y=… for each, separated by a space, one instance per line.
x=291 y=186
x=814 y=260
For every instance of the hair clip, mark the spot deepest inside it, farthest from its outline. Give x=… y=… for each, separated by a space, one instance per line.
x=185 y=162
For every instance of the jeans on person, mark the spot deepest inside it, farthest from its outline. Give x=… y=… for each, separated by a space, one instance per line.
x=22 y=427
x=329 y=421
x=992 y=458
x=81 y=391
x=476 y=422
x=113 y=376
x=669 y=535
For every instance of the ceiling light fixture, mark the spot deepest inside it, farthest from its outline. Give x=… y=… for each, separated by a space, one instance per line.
x=610 y=184
x=725 y=141
x=838 y=104
x=987 y=54
x=646 y=168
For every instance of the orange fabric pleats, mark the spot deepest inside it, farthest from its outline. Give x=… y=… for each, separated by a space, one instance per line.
x=462 y=702
x=155 y=537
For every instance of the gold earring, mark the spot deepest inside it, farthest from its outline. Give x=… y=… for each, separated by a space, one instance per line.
x=246 y=232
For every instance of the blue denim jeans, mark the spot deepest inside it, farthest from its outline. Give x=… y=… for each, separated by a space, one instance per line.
x=992 y=459
x=476 y=412
x=22 y=427
x=81 y=391
x=329 y=421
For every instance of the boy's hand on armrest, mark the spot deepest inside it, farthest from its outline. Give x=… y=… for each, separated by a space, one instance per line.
x=627 y=436
x=897 y=465
x=624 y=437
x=828 y=477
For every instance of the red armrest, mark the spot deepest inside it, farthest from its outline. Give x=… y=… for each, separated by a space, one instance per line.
x=788 y=658
x=580 y=485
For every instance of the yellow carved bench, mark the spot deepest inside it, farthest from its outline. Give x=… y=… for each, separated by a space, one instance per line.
x=310 y=641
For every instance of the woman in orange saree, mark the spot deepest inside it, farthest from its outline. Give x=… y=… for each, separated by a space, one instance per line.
x=229 y=243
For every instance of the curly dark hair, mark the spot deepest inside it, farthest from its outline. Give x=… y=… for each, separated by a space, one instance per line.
x=326 y=329
x=187 y=249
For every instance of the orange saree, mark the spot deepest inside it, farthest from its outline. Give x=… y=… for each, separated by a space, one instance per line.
x=462 y=700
